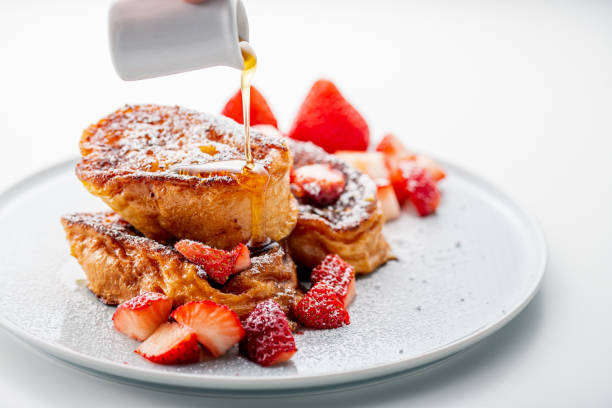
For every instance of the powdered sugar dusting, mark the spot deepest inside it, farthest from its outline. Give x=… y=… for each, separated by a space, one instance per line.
x=356 y=203
x=146 y=139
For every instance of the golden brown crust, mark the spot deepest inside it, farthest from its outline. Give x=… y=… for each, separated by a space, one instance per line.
x=120 y=263
x=351 y=227
x=128 y=157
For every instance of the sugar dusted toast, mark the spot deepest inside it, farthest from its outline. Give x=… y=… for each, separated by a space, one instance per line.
x=351 y=227
x=120 y=263
x=128 y=159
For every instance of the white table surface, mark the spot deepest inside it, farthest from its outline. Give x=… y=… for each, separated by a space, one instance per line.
x=520 y=92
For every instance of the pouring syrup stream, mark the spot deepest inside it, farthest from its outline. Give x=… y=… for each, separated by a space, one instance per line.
x=251 y=175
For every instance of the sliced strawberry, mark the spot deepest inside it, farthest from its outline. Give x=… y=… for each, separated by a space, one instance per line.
x=412 y=182
x=140 y=316
x=268 y=338
x=218 y=264
x=394 y=150
x=171 y=343
x=243 y=258
x=432 y=168
x=330 y=121
x=370 y=163
x=319 y=183
x=217 y=326
x=321 y=308
x=338 y=274
x=388 y=201
x=259 y=109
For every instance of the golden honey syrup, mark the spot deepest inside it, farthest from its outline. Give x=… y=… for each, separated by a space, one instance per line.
x=253 y=176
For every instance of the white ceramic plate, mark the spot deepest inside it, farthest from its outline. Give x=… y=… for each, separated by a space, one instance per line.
x=461 y=275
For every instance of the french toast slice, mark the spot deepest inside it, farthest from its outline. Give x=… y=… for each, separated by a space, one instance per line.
x=130 y=160
x=351 y=227
x=120 y=263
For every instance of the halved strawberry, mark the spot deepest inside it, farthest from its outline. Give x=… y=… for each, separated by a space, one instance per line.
x=370 y=163
x=321 y=308
x=218 y=264
x=140 y=316
x=171 y=343
x=412 y=182
x=319 y=183
x=395 y=152
x=330 y=121
x=259 y=109
x=268 y=338
x=387 y=199
x=338 y=274
x=217 y=326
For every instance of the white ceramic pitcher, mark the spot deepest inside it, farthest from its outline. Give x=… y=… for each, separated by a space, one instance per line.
x=151 y=38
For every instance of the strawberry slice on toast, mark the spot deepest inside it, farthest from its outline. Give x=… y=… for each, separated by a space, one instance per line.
x=218 y=264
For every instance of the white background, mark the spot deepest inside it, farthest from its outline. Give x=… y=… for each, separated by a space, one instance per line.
x=519 y=92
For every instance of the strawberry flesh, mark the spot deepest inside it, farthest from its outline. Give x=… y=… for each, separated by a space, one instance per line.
x=319 y=184
x=218 y=264
x=217 y=326
x=268 y=338
x=171 y=343
x=327 y=119
x=387 y=199
x=140 y=316
x=412 y=182
x=260 y=111
x=338 y=274
x=395 y=153
x=321 y=308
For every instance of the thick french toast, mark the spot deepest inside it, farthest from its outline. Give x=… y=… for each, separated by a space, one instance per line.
x=130 y=160
x=351 y=227
x=120 y=263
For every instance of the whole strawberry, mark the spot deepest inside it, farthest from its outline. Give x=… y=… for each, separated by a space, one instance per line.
x=321 y=308
x=268 y=338
x=330 y=121
x=338 y=274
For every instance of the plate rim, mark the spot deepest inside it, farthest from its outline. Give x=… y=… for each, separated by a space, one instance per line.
x=251 y=383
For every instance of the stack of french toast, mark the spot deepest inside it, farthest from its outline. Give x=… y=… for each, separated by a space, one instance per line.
x=129 y=160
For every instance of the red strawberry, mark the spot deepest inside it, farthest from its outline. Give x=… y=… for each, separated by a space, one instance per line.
x=328 y=120
x=141 y=315
x=259 y=110
x=432 y=168
x=172 y=343
x=395 y=152
x=412 y=182
x=387 y=199
x=218 y=264
x=319 y=183
x=268 y=337
x=335 y=272
x=321 y=308
x=217 y=326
